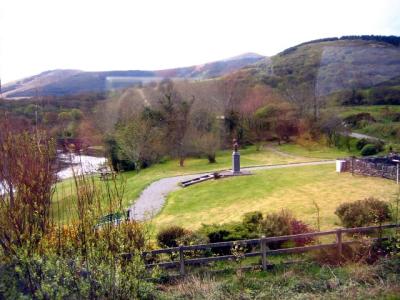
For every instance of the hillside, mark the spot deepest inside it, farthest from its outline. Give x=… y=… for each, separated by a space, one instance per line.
x=363 y=69
x=67 y=82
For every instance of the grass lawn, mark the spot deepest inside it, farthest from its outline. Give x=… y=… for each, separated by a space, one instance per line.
x=135 y=182
x=374 y=110
x=303 y=280
x=313 y=151
x=272 y=190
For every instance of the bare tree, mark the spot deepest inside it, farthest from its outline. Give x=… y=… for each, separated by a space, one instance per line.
x=175 y=111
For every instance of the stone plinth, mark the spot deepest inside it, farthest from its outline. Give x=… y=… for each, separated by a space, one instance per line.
x=236 y=162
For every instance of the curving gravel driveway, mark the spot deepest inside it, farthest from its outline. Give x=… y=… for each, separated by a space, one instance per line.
x=153 y=197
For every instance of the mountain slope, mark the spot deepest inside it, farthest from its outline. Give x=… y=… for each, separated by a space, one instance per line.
x=65 y=82
x=329 y=69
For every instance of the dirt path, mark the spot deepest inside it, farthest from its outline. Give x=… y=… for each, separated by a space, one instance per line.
x=145 y=101
x=153 y=197
x=276 y=151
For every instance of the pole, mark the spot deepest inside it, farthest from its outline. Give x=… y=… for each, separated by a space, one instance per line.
x=263 y=253
x=181 y=262
x=339 y=243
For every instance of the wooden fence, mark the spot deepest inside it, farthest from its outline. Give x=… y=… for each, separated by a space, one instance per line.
x=261 y=244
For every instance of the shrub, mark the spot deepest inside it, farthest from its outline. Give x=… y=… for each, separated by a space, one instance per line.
x=252 y=220
x=216 y=233
x=357 y=253
x=361 y=143
x=169 y=236
x=363 y=212
x=283 y=223
x=298 y=227
x=227 y=232
x=193 y=238
x=276 y=224
x=358 y=120
x=369 y=149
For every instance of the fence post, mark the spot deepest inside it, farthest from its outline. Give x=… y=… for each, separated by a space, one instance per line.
x=352 y=165
x=181 y=261
x=339 y=243
x=263 y=249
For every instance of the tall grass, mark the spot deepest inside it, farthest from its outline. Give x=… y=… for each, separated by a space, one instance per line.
x=42 y=258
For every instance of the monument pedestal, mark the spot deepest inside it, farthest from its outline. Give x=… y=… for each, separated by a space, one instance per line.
x=236 y=162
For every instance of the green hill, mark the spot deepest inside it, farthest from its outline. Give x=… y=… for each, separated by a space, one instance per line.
x=350 y=70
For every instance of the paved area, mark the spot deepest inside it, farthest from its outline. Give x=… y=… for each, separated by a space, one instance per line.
x=153 y=197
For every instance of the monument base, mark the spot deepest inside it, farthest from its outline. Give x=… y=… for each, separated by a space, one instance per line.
x=233 y=173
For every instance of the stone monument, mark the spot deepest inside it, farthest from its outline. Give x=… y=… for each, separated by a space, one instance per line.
x=235 y=158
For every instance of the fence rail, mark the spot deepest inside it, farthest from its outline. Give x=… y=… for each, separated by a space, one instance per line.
x=262 y=243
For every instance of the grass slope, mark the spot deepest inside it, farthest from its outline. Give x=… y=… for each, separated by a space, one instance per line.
x=63 y=204
x=295 y=189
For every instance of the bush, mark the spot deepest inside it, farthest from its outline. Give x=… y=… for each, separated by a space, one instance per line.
x=227 y=232
x=360 y=119
x=298 y=227
x=363 y=212
x=276 y=224
x=252 y=220
x=361 y=143
x=169 y=236
x=357 y=253
x=369 y=149
x=193 y=238
x=283 y=223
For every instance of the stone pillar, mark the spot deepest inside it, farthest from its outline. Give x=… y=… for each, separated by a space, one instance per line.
x=235 y=158
x=236 y=162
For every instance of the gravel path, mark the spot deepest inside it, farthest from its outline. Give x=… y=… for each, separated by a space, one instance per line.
x=363 y=136
x=153 y=197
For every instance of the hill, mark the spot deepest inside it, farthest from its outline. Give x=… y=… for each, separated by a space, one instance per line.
x=67 y=82
x=345 y=71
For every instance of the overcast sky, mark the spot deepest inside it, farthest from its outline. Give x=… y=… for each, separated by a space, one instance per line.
x=39 y=35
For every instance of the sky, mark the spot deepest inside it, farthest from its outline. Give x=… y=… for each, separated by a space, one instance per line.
x=96 y=35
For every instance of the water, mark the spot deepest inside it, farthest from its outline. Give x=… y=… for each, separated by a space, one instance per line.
x=80 y=165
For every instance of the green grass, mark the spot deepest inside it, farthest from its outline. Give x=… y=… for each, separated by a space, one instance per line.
x=294 y=188
x=135 y=182
x=63 y=204
x=383 y=128
x=303 y=280
x=385 y=131
x=374 y=110
x=313 y=151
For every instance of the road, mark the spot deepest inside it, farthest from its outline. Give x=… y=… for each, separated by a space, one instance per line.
x=153 y=197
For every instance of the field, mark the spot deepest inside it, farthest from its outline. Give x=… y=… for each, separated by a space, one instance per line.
x=374 y=110
x=135 y=182
x=315 y=151
x=297 y=189
x=303 y=280
x=385 y=127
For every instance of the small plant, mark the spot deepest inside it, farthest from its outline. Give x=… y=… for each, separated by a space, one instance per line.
x=238 y=251
x=363 y=212
x=193 y=238
x=298 y=227
x=317 y=209
x=357 y=253
x=361 y=143
x=252 y=220
x=370 y=149
x=169 y=236
x=283 y=223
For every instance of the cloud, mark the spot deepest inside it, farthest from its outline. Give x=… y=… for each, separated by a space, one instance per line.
x=104 y=35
